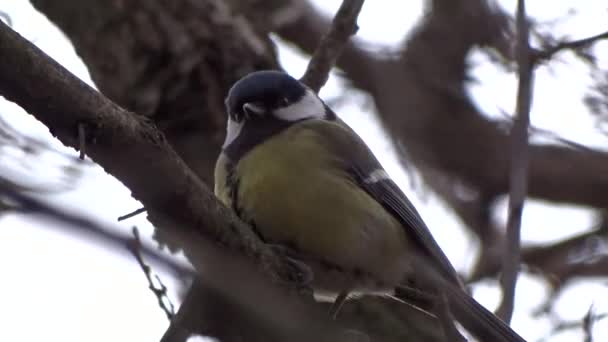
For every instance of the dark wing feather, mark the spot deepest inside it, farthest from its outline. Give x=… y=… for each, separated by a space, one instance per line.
x=394 y=200
x=358 y=160
x=354 y=157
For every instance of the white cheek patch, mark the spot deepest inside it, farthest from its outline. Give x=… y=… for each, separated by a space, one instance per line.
x=233 y=129
x=308 y=107
x=376 y=176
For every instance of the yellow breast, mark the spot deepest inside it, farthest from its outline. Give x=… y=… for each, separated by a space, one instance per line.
x=298 y=195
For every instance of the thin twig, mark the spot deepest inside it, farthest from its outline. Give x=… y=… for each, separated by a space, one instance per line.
x=575 y=324
x=547 y=53
x=131 y=214
x=83 y=226
x=588 y=321
x=81 y=140
x=547 y=134
x=344 y=25
x=160 y=291
x=519 y=166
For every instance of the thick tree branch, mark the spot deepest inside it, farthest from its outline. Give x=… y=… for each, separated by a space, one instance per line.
x=344 y=25
x=171 y=61
x=182 y=208
x=127 y=146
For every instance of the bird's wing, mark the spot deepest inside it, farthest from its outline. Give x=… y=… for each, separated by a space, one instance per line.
x=386 y=192
x=358 y=160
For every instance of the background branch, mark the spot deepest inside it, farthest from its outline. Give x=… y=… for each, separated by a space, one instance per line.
x=344 y=25
x=160 y=291
x=519 y=166
x=548 y=52
x=77 y=225
x=128 y=146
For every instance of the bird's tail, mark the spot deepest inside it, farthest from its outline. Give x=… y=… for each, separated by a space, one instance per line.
x=478 y=320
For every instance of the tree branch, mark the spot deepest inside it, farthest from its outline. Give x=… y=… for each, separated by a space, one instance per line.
x=183 y=208
x=422 y=101
x=344 y=25
x=77 y=225
x=519 y=166
x=186 y=212
x=160 y=291
x=125 y=144
x=574 y=45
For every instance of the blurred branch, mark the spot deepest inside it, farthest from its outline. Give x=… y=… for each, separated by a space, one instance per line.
x=422 y=93
x=548 y=134
x=160 y=292
x=344 y=25
x=578 y=256
x=588 y=322
x=81 y=141
x=519 y=166
x=286 y=314
x=574 y=45
x=131 y=214
x=75 y=225
x=422 y=101
x=6 y=17
x=19 y=168
x=585 y=324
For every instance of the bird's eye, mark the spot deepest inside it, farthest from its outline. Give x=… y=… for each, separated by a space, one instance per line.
x=251 y=109
x=284 y=102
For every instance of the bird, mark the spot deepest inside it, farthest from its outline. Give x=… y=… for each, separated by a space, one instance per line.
x=303 y=179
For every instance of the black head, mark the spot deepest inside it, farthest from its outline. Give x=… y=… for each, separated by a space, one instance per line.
x=262 y=93
x=264 y=103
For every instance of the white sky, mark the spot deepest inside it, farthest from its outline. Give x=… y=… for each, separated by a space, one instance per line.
x=74 y=291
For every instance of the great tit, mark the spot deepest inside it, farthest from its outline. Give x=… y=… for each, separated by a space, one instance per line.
x=305 y=180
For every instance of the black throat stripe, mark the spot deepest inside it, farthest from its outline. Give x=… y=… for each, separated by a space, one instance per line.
x=252 y=134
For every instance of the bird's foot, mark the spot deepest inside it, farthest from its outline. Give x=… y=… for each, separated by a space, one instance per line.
x=299 y=271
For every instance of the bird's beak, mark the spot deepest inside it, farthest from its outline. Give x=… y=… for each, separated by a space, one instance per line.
x=252 y=108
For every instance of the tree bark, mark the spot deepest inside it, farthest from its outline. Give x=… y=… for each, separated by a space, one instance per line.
x=170 y=61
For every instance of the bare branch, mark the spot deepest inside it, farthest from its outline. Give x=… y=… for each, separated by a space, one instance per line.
x=126 y=145
x=327 y=52
x=574 y=45
x=131 y=214
x=588 y=321
x=519 y=166
x=81 y=141
x=556 y=262
x=576 y=324
x=77 y=225
x=159 y=292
